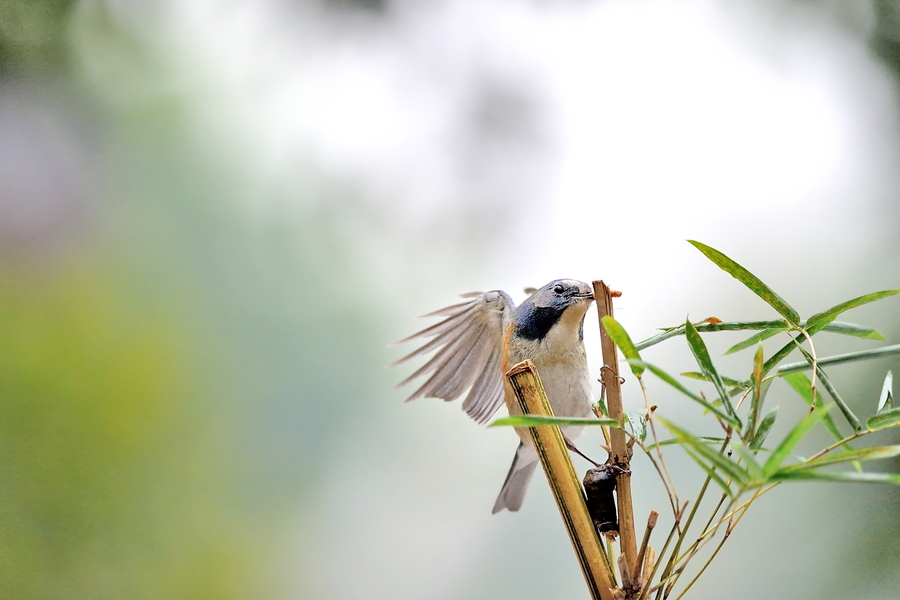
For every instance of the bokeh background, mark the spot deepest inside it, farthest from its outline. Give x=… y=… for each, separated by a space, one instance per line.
x=216 y=214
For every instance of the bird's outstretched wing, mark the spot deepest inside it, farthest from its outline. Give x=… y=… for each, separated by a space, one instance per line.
x=470 y=350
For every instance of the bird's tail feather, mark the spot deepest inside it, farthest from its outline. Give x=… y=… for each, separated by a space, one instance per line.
x=513 y=491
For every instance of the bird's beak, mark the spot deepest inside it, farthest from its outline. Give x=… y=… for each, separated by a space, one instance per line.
x=588 y=296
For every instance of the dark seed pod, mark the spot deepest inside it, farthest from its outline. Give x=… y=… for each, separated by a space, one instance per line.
x=599 y=484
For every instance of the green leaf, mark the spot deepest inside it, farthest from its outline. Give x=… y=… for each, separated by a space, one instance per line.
x=621 y=338
x=637 y=423
x=602 y=404
x=711 y=471
x=886 y=400
x=717 y=441
x=832 y=391
x=782 y=353
x=834 y=327
x=729 y=467
x=842 y=358
x=866 y=333
x=743 y=385
x=764 y=428
x=862 y=454
x=818 y=321
x=787 y=444
x=756 y=472
x=755 y=339
x=699 y=400
x=756 y=381
x=537 y=420
x=701 y=354
x=885 y=420
x=750 y=280
x=847 y=476
x=803 y=386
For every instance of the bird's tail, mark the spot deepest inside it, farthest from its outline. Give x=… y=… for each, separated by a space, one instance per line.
x=513 y=491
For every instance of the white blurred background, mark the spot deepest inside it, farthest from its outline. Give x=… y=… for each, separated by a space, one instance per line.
x=215 y=214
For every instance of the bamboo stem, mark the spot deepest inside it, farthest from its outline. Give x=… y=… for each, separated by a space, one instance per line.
x=621 y=453
x=566 y=487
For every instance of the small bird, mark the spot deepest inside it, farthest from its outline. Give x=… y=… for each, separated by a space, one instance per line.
x=481 y=338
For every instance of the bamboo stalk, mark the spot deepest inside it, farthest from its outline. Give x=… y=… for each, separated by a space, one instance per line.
x=554 y=455
x=621 y=453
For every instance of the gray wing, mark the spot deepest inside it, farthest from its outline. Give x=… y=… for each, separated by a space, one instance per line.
x=469 y=343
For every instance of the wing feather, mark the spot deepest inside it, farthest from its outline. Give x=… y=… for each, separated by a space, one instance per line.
x=469 y=344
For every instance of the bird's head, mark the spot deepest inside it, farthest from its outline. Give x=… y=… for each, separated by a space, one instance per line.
x=558 y=307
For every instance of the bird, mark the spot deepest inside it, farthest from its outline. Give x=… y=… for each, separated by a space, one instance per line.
x=481 y=338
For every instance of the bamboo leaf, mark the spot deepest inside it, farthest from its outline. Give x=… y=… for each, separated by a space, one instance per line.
x=757 y=474
x=711 y=471
x=756 y=381
x=838 y=359
x=701 y=354
x=832 y=391
x=781 y=325
x=715 y=441
x=764 y=428
x=861 y=454
x=742 y=385
x=699 y=400
x=729 y=467
x=623 y=341
x=847 y=476
x=818 y=321
x=866 y=333
x=885 y=420
x=801 y=384
x=755 y=339
x=886 y=399
x=537 y=420
x=750 y=280
x=779 y=356
x=790 y=441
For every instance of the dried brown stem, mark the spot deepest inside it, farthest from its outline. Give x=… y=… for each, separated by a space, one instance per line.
x=621 y=453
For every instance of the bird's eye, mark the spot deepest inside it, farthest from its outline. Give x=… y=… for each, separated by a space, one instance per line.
x=559 y=289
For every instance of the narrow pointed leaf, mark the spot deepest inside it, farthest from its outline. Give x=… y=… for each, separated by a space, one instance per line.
x=750 y=280
x=699 y=400
x=886 y=400
x=764 y=428
x=781 y=325
x=756 y=379
x=756 y=472
x=779 y=356
x=838 y=359
x=790 y=441
x=743 y=385
x=861 y=454
x=803 y=386
x=710 y=470
x=701 y=354
x=715 y=441
x=866 y=333
x=755 y=339
x=623 y=341
x=727 y=466
x=537 y=420
x=885 y=420
x=832 y=391
x=848 y=476
x=818 y=321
